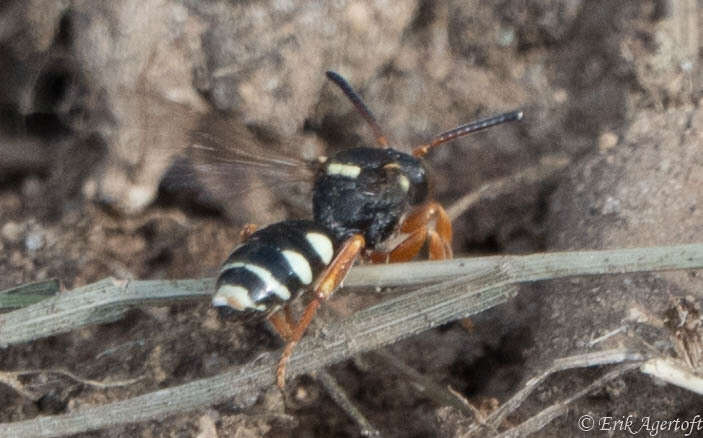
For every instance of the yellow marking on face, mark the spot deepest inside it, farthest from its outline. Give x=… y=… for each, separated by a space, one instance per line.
x=404 y=182
x=347 y=170
x=402 y=179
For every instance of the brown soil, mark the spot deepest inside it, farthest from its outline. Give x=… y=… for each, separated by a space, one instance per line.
x=86 y=137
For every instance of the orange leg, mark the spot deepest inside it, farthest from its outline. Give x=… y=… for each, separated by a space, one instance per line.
x=439 y=238
x=280 y=321
x=323 y=288
x=439 y=248
x=428 y=222
x=289 y=317
x=405 y=251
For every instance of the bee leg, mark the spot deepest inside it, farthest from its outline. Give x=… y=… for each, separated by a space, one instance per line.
x=405 y=251
x=289 y=317
x=433 y=216
x=427 y=223
x=439 y=248
x=323 y=288
x=439 y=237
x=281 y=323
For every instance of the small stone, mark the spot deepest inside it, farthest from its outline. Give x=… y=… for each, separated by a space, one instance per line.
x=506 y=37
x=12 y=232
x=34 y=241
x=358 y=16
x=611 y=206
x=560 y=95
x=607 y=140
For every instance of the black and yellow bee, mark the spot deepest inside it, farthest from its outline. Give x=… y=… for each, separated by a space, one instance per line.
x=362 y=197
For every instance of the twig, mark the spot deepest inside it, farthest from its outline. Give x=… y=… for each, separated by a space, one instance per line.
x=599 y=358
x=109 y=299
x=366 y=330
x=97 y=303
x=340 y=398
x=28 y=293
x=606 y=336
x=436 y=392
x=534 y=267
x=671 y=372
x=10 y=378
x=547 y=167
x=89 y=382
x=544 y=417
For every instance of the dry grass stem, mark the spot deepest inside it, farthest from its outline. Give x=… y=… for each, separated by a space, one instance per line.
x=10 y=378
x=547 y=167
x=458 y=288
x=671 y=372
x=606 y=357
x=342 y=400
x=544 y=417
x=441 y=395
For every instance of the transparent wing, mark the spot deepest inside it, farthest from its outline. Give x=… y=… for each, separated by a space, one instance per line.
x=117 y=142
x=250 y=178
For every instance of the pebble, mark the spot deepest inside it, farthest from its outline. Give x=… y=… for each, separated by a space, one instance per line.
x=607 y=140
x=12 y=232
x=34 y=241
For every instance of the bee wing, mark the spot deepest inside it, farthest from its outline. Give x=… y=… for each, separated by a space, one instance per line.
x=124 y=137
x=249 y=178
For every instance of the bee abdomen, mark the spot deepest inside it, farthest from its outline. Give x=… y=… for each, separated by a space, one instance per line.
x=272 y=267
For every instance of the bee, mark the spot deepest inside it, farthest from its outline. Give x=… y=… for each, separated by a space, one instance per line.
x=362 y=197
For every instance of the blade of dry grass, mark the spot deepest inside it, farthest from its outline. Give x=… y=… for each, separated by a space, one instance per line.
x=548 y=166
x=337 y=393
x=442 y=395
x=11 y=379
x=28 y=294
x=674 y=372
x=489 y=283
x=544 y=417
x=108 y=299
x=368 y=329
x=594 y=359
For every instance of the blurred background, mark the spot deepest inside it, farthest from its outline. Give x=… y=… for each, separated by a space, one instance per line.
x=97 y=100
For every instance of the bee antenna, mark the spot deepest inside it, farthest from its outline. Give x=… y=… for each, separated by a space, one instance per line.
x=462 y=130
x=360 y=106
